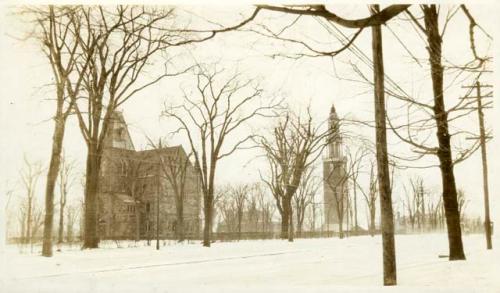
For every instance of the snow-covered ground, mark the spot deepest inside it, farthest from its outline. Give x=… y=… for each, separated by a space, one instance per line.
x=306 y=265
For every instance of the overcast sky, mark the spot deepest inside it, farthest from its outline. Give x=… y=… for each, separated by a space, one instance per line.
x=26 y=108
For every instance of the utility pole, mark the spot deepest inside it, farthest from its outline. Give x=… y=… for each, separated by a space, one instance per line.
x=387 y=217
x=482 y=139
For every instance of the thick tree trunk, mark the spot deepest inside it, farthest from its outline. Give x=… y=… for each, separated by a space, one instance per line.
x=341 y=229
x=444 y=152
x=285 y=219
x=91 y=237
x=180 y=222
x=207 y=227
x=55 y=162
x=284 y=225
x=387 y=218
x=372 y=220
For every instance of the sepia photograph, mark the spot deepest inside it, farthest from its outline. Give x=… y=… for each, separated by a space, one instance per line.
x=217 y=146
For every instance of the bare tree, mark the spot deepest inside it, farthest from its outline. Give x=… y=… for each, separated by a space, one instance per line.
x=254 y=215
x=370 y=197
x=22 y=221
x=440 y=117
x=36 y=222
x=413 y=202
x=118 y=44
x=208 y=116
x=65 y=182
x=312 y=213
x=131 y=170
x=6 y=216
x=462 y=203
x=72 y=215
x=411 y=207
x=175 y=169
x=226 y=208
x=266 y=206
x=30 y=174
x=417 y=186
x=78 y=42
x=304 y=197
x=377 y=18
x=355 y=164
x=240 y=194
x=433 y=209
x=220 y=195
x=338 y=185
x=54 y=27
x=295 y=145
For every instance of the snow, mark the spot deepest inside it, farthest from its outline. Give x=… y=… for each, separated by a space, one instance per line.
x=306 y=265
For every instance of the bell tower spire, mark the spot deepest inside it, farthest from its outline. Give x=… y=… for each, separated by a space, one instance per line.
x=335 y=144
x=334 y=174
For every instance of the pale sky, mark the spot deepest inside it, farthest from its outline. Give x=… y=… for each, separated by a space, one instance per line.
x=26 y=107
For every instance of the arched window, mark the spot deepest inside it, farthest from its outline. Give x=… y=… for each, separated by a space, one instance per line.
x=123 y=168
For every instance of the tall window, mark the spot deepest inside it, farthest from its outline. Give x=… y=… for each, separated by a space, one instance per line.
x=120 y=134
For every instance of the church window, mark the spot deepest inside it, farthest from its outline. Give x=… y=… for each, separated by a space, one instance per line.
x=120 y=134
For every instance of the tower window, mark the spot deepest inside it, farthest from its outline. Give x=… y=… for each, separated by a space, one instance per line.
x=120 y=134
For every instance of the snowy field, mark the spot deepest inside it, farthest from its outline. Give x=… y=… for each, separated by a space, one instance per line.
x=306 y=265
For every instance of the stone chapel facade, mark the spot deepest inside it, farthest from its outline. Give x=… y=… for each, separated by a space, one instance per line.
x=134 y=193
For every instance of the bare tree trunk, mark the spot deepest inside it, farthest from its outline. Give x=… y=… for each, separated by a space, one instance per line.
x=55 y=162
x=355 y=203
x=137 y=223
x=290 y=221
x=341 y=228
x=450 y=202
x=61 y=224
x=387 y=218
x=158 y=211
x=299 y=223
x=348 y=214
x=69 y=232
x=372 y=219
x=180 y=222
x=69 y=225
x=29 y=220
x=284 y=225
x=285 y=219
x=207 y=227
x=240 y=218
x=23 y=230
x=91 y=238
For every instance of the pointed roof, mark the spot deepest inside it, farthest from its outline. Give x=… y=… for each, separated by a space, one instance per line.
x=332 y=109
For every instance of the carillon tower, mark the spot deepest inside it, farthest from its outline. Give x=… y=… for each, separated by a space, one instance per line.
x=334 y=176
